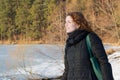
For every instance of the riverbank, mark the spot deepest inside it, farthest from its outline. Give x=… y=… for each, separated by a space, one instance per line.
x=29 y=42
x=7 y=42
x=21 y=42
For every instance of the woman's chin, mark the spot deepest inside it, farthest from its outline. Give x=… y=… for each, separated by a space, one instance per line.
x=69 y=31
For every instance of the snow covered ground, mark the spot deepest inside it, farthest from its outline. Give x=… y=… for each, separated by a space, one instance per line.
x=52 y=68
x=115 y=62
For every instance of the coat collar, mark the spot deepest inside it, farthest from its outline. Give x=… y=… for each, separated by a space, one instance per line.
x=76 y=36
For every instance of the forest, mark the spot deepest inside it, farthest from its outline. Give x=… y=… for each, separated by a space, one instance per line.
x=42 y=21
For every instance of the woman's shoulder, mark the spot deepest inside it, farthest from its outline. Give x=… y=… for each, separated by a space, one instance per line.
x=94 y=37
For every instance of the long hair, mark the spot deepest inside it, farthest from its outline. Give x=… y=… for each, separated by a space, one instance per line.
x=79 y=18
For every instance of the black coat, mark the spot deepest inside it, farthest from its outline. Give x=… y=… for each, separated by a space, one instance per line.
x=77 y=60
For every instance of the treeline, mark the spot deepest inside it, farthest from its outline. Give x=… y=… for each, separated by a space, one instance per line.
x=43 y=20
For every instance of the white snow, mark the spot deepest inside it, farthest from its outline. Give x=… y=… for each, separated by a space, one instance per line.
x=50 y=69
x=115 y=62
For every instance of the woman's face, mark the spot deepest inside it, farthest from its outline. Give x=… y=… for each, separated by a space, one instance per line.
x=70 y=25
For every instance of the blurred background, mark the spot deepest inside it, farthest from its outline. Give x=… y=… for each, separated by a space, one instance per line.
x=42 y=21
x=32 y=35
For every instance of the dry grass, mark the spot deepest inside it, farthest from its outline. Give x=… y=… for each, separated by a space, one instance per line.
x=110 y=51
x=21 y=42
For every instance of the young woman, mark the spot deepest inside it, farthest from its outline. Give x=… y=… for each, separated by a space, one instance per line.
x=76 y=58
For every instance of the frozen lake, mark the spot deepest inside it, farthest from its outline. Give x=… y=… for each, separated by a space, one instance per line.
x=14 y=59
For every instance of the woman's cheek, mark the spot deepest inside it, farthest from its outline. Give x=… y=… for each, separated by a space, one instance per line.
x=73 y=27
